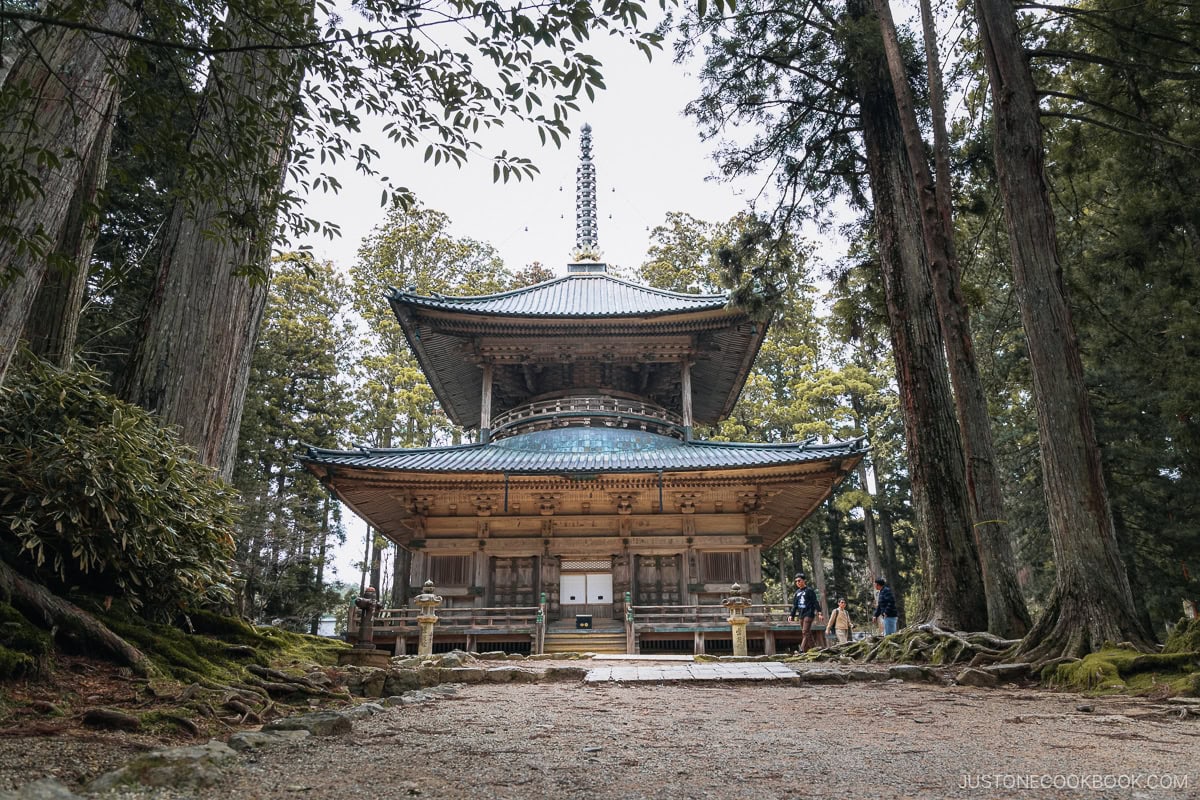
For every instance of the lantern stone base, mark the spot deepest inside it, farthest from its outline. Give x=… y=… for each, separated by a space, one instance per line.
x=362 y=657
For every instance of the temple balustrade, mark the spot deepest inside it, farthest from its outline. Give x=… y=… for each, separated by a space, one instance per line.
x=592 y=410
x=647 y=627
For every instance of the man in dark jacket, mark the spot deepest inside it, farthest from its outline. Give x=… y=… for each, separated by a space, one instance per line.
x=885 y=606
x=805 y=606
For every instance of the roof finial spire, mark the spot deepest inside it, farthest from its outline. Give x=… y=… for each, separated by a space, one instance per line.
x=587 y=241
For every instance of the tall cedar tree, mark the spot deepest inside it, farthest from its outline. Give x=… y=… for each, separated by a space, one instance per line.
x=1007 y=614
x=1092 y=601
x=811 y=65
x=56 y=102
x=192 y=359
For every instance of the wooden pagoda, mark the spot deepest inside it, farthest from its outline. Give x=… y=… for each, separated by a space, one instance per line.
x=586 y=499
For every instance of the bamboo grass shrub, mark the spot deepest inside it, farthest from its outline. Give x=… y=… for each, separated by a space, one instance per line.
x=97 y=498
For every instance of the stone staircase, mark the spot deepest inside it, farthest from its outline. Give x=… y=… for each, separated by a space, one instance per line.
x=607 y=637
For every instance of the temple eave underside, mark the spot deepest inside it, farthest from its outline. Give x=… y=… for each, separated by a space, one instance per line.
x=555 y=514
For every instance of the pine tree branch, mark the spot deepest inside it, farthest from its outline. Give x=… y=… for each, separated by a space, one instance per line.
x=1119 y=129
x=1092 y=58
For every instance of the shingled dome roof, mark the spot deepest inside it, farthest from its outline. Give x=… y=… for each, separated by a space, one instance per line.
x=582 y=318
x=578 y=295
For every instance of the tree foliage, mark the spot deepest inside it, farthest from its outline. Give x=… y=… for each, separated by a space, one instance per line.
x=298 y=395
x=434 y=73
x=96 y=497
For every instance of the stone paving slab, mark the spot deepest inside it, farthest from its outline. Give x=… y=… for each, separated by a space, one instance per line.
x=684 y=673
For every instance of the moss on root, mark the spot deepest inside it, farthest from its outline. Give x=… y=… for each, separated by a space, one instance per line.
x=1116 y=670
x=207 y=657
x=1184 y=638
x=14 y=664
x=24 y=648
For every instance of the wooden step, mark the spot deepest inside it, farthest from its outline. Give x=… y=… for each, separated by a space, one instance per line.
x=584 y=642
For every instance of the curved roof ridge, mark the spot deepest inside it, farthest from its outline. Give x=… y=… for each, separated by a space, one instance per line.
x=312 y=450
x=506 y=293
x=651 y=289
x=805 y=443
x=671 y=456
x=577 y=294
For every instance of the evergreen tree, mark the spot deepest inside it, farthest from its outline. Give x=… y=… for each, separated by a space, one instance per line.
x=298 y=395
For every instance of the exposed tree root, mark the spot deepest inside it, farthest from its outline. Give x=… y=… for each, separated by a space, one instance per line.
x=926 y=643
x=36 y=601
x=1071 y=628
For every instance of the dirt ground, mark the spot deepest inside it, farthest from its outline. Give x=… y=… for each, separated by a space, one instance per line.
x=570 y=740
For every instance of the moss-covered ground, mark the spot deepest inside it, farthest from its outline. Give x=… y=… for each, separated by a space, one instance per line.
x=1116 y=670
x=200 y=661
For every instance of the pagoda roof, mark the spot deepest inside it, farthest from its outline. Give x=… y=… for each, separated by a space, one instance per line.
x=788 y=481
x=584 y=450
x=579 y=296
x=578 y=316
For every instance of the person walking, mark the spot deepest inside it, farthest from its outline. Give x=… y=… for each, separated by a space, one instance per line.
x=840 y=622
x=885 y=606
x=805 y=607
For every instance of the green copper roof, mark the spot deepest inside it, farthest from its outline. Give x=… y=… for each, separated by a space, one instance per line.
x=580 y=295
x=584 y=449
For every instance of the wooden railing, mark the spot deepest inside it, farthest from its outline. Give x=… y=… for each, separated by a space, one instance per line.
x=403 y=621
x=706 y=615
x=634 y=413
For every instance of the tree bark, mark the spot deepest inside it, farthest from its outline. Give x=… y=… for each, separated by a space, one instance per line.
x=69 y=79
x=891 y=566
x=818 y=572
x=952 y=583
x=1007 y=614
x=869 y=527
x=1092 y=600
x=192 y=361
x=53 y=325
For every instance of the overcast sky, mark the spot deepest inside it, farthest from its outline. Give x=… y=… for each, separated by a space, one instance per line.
x=649 y=161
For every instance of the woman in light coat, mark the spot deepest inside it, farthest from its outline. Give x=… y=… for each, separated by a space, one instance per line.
x=840 y=623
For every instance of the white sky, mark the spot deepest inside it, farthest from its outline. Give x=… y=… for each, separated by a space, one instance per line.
x=649 y=161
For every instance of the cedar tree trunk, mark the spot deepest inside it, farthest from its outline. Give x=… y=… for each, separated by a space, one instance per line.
x=198 y=332
x=53 y=325
x=1007 y=614
x=953 y=587
x=54 y=105
x=1092 y=601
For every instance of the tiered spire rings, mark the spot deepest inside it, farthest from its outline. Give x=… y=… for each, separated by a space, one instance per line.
x=587 y=240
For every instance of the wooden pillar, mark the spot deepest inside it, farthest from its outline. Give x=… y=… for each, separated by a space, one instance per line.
x=417 y=576
x=688 y=575
x=685 y=388
x=485 y=406
x=483 y=579
x=754 y=572
x=549 y=584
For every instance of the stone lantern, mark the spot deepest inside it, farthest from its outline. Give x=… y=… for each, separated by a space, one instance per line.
x=366 y=605
x=364 y=653
x=428 y=602
x=737 y=605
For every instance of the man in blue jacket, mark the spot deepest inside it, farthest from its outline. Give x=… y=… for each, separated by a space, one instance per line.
x=885 y=606
x=805 y=606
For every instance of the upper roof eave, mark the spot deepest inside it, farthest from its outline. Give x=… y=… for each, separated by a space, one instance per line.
x=574 y=296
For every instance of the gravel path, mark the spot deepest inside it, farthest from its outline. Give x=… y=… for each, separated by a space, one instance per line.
x=742 y=742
